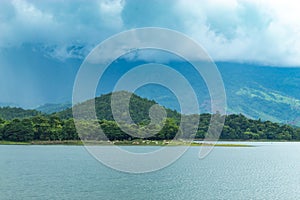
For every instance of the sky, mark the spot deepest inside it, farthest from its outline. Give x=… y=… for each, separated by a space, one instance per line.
x=43 y=43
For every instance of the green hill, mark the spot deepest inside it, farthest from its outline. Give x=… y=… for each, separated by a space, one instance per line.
x=9 y=113
x=139 y=108
x=32 y=125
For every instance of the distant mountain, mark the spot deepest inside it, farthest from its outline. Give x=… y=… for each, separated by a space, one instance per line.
x=9 y=113
x=6 y=104
x=50 y=108
x=269 y=93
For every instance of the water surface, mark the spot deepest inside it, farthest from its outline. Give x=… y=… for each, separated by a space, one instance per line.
x=266 y=171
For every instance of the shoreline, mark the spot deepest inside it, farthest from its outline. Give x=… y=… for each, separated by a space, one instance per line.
x=220 y=143
x=139 y=143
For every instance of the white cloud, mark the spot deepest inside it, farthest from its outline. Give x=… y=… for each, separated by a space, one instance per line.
x=22 y=21
x=267 y=32
x=110 y=11
x=56 y=27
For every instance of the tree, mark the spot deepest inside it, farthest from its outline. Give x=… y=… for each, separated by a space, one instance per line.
x=19 y=131
x=55 y=128
x=69 y=130
x=169 y=130
x=2 y=123
x=41 y=127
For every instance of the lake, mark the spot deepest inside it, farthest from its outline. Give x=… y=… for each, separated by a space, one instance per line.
x=266 y=171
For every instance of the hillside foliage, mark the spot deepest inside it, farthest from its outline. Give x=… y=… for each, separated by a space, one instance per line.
x=21 y=125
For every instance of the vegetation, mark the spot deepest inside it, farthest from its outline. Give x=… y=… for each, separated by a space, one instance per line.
x=9 y=113
x=139 y=108
x=61 y=127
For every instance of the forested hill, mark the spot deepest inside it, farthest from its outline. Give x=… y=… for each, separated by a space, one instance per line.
x=9 y=113
x=138 y=107
x=31 y=125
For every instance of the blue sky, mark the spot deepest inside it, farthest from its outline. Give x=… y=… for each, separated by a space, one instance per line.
x=42 y=43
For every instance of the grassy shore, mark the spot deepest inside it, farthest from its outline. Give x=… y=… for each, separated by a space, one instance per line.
x=123 y=143
x=65 y=142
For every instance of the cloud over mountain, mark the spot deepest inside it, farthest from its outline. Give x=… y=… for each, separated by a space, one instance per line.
x=265 y=32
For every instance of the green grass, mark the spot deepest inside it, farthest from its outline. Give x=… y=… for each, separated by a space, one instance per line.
x=65 y=142
x=13 y=143
x=222 y=145
x=62 y=142
x=123 y=143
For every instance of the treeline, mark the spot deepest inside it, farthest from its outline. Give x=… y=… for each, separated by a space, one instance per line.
x=52 y=128
x=9 y=113
x=37 y=128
